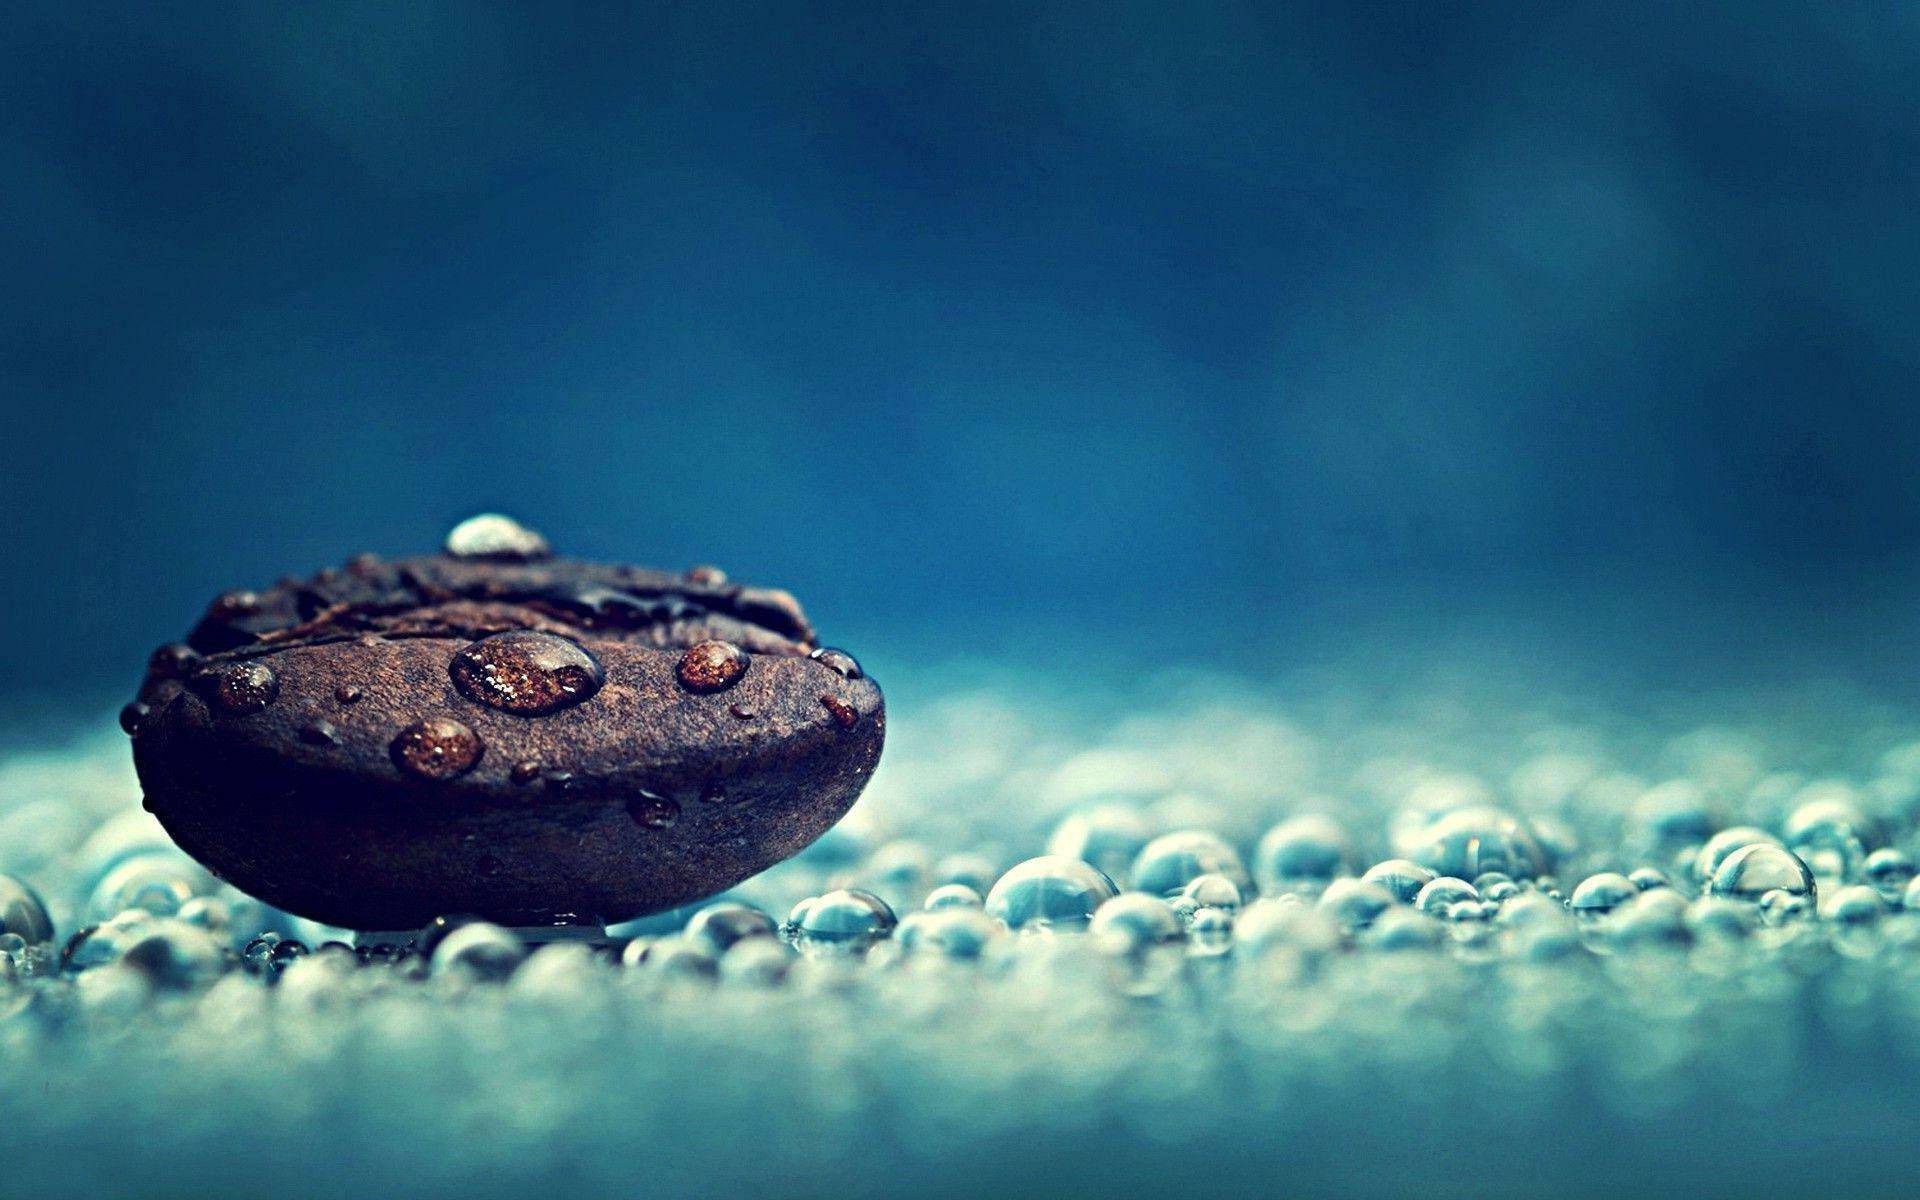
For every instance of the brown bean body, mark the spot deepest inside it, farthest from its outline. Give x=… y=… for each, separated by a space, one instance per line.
x=359 y=831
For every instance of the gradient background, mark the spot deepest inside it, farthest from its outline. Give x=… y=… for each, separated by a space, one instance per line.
x=972 y=324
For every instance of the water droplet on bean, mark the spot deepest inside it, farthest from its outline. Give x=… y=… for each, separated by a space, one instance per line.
x=839 y=662
x=526 y=672
x=491 y=535
x=347 y=693
x=652 y=811
x=319 y=733
x=132 y=715
x=437 y=749
x=711 y=666
x=525 y=771
x=238 y=688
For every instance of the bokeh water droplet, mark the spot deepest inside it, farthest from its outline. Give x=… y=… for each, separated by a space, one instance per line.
x=495 y=536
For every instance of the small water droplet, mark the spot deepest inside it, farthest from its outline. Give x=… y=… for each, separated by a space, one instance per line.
x=844 y=714
x=319 y=733
x=742 y=712
x=654 y=812
x=714 y=793
x=173 y=661
x=132 y=715
x=526 y=672
x=437 y=749
x=525 y=771
x=348 y=693
x=711 y=666
x=707 y=576
x=491 y=535
x=238 y=688
x=1050 y=891
x=839 y=662
x=1751 y=872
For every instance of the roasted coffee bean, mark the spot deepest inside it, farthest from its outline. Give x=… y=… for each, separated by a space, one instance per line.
x=494 y=730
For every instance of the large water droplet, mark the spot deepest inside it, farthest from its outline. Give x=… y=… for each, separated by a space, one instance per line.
x=437 y=749
x=711 y=666
x=842 y=921
x=1050 y=891
x=492 y=535
x=1171 y=861
x=1752 y=871
x=526 y=672
x=238 y=689
x=1472 y=841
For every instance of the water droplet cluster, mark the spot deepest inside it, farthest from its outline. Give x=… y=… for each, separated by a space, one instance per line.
x=1245 y=937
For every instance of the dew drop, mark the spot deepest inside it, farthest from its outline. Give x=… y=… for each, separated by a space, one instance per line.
x=839 y=662
x=653 y=811
x=437 y=749
x=742 y=712
x=844 y=714
x=491 y=535
x=238 y=688
x=711 y=666
x=173 y=661
x=132 y=715
x=319 y=733
x=526 y=672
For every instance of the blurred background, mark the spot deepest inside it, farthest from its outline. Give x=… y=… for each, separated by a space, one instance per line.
x=987 y=327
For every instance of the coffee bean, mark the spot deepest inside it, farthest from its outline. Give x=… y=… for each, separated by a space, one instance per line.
x=498 y=731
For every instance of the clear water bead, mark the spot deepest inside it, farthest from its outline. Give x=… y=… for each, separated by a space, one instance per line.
x=1354 y=903
x=1051 y=891
x=1751 y=872
x=478 y=952
x=953 y=895
x=1440 y=895
x=1600 y=894
x=1402 y=877
x=1171 y=861
x=1472 y=841
x=1213 y=891
x=1301 y=852
x=1706 y=864
x=847 y=921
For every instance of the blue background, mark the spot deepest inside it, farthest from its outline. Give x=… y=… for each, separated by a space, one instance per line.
x=960 y=321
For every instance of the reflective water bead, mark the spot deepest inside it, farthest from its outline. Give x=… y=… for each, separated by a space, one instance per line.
x=756 y=963
x=1170 y=861
x=953 y=895
x=1354 y=903
x=846 y=921
x=1856 y=905
x=718 y=926
x=1213 y=891
x=478 y=951
x=158 y=883
x=1721 y=845
x=1599 y=894
x=1051 y=891
x=1750 y=872
x=173 y=955
x=1889 y=871
x=1210 y=932
x=98 y=945
x=1134 y=922
x=1439 y=895
x=1472 y=841
x=1648 y=878
x=1402 y=877
x=1109 y=836
x=958 y=933
x=1303 y=851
